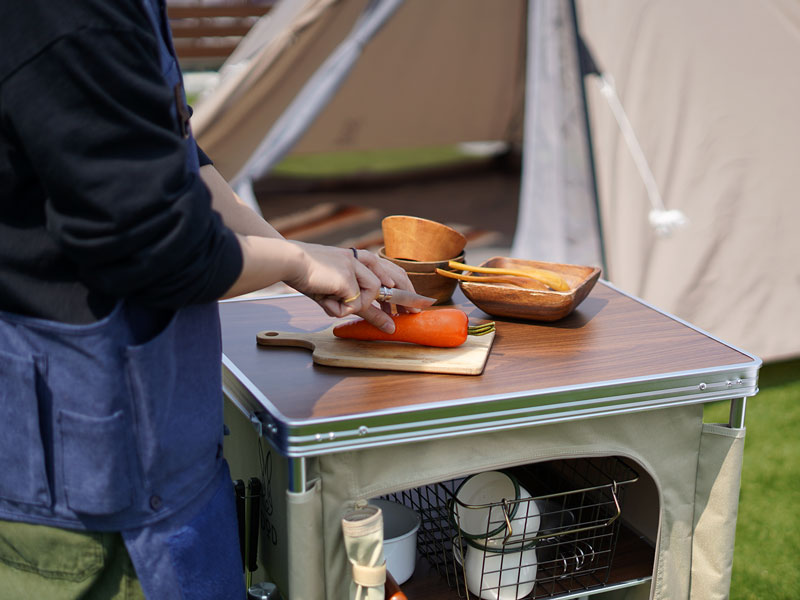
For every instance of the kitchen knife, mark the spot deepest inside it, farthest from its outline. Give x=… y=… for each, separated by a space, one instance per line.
x=404 y=298
x=255 y=523
x=239 y=489
x=391 y=590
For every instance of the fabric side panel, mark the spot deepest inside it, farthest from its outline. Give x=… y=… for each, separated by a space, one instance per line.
x=306 y=566
x=665 y=443
x=716 y=506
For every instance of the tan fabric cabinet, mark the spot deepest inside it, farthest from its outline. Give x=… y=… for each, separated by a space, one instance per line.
x=616 y=378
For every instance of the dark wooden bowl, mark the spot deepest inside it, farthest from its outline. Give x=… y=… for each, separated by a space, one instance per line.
x=508 y=300
x=433 y=285
x=421 y=266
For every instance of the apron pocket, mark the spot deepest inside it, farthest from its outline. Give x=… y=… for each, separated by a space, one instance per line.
x=22 y=456
x=97 y=473
x=175 y=384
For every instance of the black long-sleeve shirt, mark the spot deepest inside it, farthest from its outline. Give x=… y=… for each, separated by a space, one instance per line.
x=96 y=202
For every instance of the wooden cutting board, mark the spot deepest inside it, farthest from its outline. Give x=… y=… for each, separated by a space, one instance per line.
x=467 y=359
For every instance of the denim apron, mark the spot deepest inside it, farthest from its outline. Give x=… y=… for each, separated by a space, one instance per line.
x=117 y=426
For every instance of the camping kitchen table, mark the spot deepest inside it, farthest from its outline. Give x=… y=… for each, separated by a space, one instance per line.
x=616 y=378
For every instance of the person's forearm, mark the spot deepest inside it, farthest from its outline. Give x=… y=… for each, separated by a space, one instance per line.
x=340 y=280
x=235 y=213
x=265 y=261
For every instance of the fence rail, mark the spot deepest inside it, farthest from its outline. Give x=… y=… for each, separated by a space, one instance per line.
x=206 y=34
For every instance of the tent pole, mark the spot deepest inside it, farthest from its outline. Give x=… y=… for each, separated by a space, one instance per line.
x=316 y=93
x=588 y=67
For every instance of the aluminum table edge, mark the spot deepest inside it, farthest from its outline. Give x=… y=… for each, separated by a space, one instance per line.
x=309 y=437
x=315 y=436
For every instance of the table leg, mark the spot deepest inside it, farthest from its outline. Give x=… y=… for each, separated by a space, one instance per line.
x=297 y=474
x=736 y=419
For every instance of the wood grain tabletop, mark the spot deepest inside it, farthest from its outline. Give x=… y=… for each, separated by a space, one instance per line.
x=609 y=337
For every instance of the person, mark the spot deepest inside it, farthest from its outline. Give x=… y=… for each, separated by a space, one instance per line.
x=117 y=237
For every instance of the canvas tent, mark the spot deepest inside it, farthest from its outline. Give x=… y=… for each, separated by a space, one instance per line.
x=709 y=94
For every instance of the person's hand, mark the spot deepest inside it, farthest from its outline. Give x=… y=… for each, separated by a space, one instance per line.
x=391 y=276
x=344 y=282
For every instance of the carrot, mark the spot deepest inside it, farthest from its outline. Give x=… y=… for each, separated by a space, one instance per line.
x=444 y=328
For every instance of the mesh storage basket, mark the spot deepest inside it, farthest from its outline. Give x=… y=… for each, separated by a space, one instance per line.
x=553 y=533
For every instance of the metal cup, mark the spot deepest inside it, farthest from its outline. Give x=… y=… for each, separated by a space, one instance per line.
x=265 y=590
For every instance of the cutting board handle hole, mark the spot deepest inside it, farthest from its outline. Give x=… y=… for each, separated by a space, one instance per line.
x=271 y=333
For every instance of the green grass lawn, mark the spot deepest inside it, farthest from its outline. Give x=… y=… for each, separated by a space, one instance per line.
x=383 y=161
x=766 y=562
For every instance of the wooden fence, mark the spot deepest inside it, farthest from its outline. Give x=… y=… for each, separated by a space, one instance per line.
x=206 y=34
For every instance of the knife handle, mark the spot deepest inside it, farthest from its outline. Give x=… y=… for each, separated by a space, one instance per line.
x=392 y=590
x=239 y=490
x=255 y=523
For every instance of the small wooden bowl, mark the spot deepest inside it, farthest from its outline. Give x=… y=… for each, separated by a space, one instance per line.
x=507 y=300
x=413 y=238
x=420 y=266
x=433 y=285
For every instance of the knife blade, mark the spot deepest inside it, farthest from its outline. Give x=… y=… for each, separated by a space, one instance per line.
x=404 y=298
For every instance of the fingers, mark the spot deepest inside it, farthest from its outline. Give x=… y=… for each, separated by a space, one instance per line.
x=366 y=310
x=368 y=283
x=390 y=275
x=333 y=307
x=352 y=298
x=377 y=317
x=386 y=271
x=345 y=281
x=324 y=272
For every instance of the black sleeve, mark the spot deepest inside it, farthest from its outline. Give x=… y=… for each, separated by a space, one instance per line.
x=92 y=113
x=203 y=158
